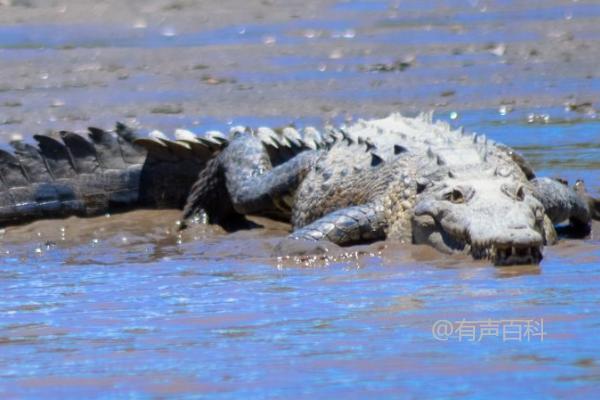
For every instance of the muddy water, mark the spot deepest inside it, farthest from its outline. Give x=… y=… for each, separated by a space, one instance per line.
x=125 y=306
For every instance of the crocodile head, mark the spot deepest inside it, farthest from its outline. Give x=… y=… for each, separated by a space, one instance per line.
x=488 y=216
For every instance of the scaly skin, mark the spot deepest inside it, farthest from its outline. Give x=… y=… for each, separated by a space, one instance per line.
x=410 y=180
x=69 y=175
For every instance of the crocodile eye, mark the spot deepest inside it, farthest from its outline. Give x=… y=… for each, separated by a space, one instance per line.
x=520 y=194
x=455 y=196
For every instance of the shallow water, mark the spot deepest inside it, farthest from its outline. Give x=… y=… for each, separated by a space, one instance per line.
x=124 y=306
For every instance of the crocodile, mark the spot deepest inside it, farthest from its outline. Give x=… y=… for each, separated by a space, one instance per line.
x=407 y=179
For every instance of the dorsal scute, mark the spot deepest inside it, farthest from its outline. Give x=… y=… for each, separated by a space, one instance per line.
x=435 y=141
x=398 y=127
x=286 y=141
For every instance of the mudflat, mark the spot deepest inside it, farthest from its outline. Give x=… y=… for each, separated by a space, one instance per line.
x=166 y=64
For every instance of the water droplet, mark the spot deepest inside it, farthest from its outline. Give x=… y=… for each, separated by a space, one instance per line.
x=310 y=34
x=269 y=40
x=322 y=67
x=503 y=110
x=168 y=32
x=336 y=54
x=242 y=31
x=350 y=34
x=140 y=24
x=453 y=115
x=498 y=50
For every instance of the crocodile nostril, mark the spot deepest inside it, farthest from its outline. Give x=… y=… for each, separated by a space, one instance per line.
x=517 y=227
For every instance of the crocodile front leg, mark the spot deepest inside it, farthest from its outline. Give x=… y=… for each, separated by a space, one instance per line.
x=346 y=226
x=253 y=184
x=562 y=203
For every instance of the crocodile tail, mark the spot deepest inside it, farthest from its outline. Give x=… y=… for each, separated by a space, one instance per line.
x=172 y=166
x=67 y=174
x=209 y=196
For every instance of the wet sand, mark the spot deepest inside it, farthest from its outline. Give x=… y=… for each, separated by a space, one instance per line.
x=125 y=305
